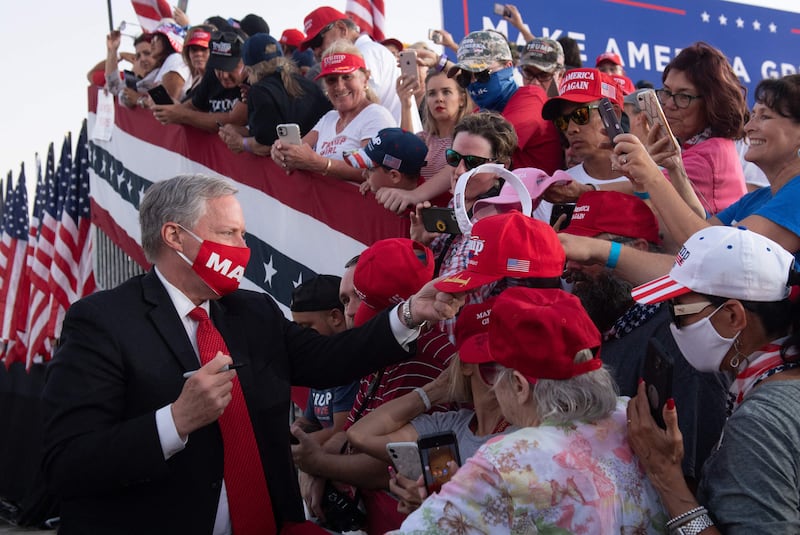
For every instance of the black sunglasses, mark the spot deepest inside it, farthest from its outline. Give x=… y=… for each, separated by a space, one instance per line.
x=489 y=371
x=580 y=117
x=464 y=78
x=470 y=162
x=316 y=42
x=676 y=310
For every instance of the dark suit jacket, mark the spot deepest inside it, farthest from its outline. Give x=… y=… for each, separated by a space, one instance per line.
x=122 y=356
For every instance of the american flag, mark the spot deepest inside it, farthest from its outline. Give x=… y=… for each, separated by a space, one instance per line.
x=71 y=273
x=43 y=236
x=13 y=249
x=55 y=208
x=369 y=15
x=150 y=12
x=515 y=264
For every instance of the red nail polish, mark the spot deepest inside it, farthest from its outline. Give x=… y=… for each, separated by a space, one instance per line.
x=391 y=471
x=670 y=404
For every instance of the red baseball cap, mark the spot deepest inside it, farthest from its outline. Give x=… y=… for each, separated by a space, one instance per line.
x=387 y=273
x=292 y=37
x=608 y=56
x=598 y=212
x=625 y=83
x=582 y=86
x=199 y=38
x=340 y=63
x=472 y=328
x=538 y=332
x=508 y=245
x=317 y=20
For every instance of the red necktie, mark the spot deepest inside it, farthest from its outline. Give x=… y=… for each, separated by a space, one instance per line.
x=248 y=497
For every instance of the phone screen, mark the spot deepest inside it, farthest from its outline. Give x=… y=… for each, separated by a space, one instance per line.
x=562 y=208
x=435 y=452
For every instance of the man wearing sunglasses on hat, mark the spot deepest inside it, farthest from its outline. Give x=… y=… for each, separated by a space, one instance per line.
x=485 y=69
x=575 y=113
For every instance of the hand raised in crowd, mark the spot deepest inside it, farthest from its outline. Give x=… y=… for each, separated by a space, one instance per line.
x=513 y=16
x=204 y=396
x=180 y=17
x=659 y=450
x=417 y=231
x=662 y=149
x=113 y=40
x=406 y=88
x=631 y=158
x=447 y=40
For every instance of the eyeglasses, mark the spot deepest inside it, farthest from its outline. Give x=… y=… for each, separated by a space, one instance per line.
x=676 y=310
x=541 y=76
x=316 y=42
x=489 y=371
x=580 y=117
x=470 y=162
x=464 y=78
x=681 y=100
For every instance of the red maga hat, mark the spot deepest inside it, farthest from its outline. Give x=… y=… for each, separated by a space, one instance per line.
x=581 y=86
x=538 y=332
x=387 y=273
x=316 y=21
x=340 y=63
x=472 y=328
x=292 y=37
x=612 y=212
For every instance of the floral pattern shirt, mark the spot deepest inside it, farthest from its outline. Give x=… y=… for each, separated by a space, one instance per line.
x=554 y=479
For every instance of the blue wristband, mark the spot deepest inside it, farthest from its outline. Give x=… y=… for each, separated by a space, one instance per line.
x=613 y=255
x=642 y=195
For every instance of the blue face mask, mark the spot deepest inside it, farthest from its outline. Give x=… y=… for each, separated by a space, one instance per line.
x=494 y=94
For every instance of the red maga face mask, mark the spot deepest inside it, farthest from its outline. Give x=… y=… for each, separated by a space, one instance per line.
x=220 y=266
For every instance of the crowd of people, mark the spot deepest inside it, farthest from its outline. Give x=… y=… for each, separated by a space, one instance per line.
x=607 y=324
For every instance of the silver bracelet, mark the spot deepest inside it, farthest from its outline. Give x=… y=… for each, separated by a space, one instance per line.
x=694 y=526
x=424 y=397
x=697 y=511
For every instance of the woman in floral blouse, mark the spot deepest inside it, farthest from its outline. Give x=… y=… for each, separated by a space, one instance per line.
x=570 y=468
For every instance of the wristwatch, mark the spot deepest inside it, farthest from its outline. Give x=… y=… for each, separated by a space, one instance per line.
x=694 y=526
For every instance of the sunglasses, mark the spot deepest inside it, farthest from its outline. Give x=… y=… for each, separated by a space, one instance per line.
x=489 y=371
x=465 y=77
x=316 y=42
x=470 y=162
x=580 y=117
x=676 y=310
x=529 y=75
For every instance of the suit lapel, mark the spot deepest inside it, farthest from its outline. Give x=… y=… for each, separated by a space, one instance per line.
x=229 y=325
x=166 y=321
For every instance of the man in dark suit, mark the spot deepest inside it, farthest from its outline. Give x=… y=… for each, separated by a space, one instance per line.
x=131 y=446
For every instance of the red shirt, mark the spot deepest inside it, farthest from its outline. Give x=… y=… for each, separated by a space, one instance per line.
x=539 y=144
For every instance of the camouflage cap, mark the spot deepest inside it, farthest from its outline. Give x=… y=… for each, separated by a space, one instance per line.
x=478 y=50
x=544 y=54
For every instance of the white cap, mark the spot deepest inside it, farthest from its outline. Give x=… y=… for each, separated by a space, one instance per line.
x=723 y=261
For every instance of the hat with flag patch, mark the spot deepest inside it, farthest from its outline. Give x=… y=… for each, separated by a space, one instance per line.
x=730 y=262
x=508 y=245
x=582 y=86
x=394 y=148
x=387 y=273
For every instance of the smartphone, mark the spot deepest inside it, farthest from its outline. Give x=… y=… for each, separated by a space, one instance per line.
x=405 y=458
x=130 y=79
x=408 y=63
x=436 y=219
x=182 y=4
x=657 y=376
x=500 y=9
x=289 y=133
x=435 y=451
x=160 y=95
x=435 y=36
x=610 y=120
x=648 y=102
x=562 y=208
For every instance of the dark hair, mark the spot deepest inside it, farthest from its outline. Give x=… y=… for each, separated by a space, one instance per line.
x=495 y=129
x=782 y=95
x=143 y=38
x=723 y=95
x=572 y=53
x=352 y=262
x=166 y=45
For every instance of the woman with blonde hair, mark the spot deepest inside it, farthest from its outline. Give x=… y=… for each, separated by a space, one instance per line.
x=356 y=117
x=278 y=94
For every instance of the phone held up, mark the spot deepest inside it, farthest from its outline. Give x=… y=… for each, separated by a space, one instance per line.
x=648 y=102
x=408 y=63
x=436 y=219
x=435 y=451
x=435 y=36
x=610 y=120
x=160 y=95
x=500 y=9
x=657 y=376
x=289 y=133
x=405 y=458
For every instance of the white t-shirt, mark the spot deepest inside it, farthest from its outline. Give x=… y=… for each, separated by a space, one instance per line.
x=366 y=124
x=383 y=75
x=752 y=173
x=174 y=63
x=579 y=174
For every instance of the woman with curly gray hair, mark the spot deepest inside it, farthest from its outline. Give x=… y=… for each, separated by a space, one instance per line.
x=570 y=468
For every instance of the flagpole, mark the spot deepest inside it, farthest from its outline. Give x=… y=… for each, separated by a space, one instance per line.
x=110 y=17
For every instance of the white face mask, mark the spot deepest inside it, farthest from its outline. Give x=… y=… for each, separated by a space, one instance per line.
x=701 y=344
